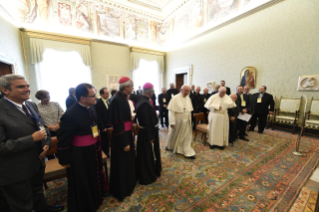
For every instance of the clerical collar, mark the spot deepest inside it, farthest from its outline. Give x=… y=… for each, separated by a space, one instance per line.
x=16 y=104
x=87 y=107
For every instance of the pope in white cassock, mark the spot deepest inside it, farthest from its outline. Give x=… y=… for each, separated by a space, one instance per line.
x=180 y=132
x=218 y=121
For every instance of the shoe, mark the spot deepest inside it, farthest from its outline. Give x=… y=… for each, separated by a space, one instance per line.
x=246 y=134
x=222 y=147
x=245 y=139
x=211 y=146
x=260 y=132
x=106 y=194
x=190 y=157
x=56 y=208
x=250 y=130
x=167 y=149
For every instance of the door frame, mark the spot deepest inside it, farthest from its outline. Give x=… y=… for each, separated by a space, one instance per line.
x=5 y=59
x=185 y=70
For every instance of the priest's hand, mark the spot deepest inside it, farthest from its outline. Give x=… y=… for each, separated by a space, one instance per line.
x=127 y=148
x=45 y=149
x=232 y=118
x=172 y=126
x=271 y=112
x=66 y=166
x=244 y=111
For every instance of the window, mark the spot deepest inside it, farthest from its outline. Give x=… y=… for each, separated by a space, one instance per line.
x=60 y=71
x=148 y=72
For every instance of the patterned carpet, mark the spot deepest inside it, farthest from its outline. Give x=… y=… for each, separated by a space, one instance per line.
x=260 y=175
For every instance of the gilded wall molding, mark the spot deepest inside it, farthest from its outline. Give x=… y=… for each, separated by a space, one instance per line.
x=146 y=51
x=57 y=37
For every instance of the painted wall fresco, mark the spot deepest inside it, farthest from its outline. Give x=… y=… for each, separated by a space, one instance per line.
x=96 y=18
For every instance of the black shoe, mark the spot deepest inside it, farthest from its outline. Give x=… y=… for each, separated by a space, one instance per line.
x=106 y=194
x=167 y=149
x=246 y=134
x=56 y=208
x=250 y=129
x=222 y=147
x=245 y=139
x=190 y=157
x=211 y=146
x=260 y=132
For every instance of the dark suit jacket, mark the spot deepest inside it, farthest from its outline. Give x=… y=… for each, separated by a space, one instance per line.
x=154 y=99
x=171 y=91
x=197 y=100
x=161 y=103
x=204 y=97
x=228 y=91
x=102 y=113
x=139 y=92
x=70 y=101
x=263 y=107
x=19 y=154
x=213 y=93
x=250 y=108
x=246 y=99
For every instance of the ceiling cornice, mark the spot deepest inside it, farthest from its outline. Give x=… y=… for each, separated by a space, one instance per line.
x=146 y=51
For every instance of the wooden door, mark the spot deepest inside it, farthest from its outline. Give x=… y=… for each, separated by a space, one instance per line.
x=179 y=81
x=5 y=69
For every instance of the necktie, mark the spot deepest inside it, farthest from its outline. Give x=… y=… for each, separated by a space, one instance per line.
x=107 y=104
x=28 y=114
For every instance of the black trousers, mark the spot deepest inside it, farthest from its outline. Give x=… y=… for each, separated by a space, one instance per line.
x=164 y=114
x=262 y=122
x=232 y=131
x=105 y=142
x=24 y=196
x=205 y=114
x=241 y=127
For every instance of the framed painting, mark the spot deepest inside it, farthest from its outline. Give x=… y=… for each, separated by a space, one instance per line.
x=112 y=82
x=248 y=77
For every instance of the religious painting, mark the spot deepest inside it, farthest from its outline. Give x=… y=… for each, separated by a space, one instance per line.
x=221 y=9
x=130 y=27
x=83 y=20
x=65 y=14
x=112 y=82
x=211 y=86
x=107 y=21
x=308 y=83
x=142 y=34
x=248 y=77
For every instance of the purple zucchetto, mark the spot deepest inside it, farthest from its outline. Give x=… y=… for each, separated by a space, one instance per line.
x=148 y=86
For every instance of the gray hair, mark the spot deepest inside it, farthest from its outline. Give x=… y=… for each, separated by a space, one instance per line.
x=5 y=81
x=221 y=89
x=184 y=86
x=123 y=85
x=147 y=91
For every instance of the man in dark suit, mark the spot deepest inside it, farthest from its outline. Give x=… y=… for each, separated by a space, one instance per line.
x=192 y=91
x=171 y=91
x=197 y=100
x=102 y=107
x=71 y=100
x=163 y=102
x=24 y=141
x=205 y=97
x=246 y=93
x=139 y=91
x=222 y=84
x=243 y=102
x=233 y=114
x=216 y=90
x=261 y=103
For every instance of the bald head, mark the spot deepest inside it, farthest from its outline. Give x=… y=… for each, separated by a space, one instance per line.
x=185 y=90
x=205 y=90
x=222 y=91
x=233 y=97
x=198 y=89
x=172 y=85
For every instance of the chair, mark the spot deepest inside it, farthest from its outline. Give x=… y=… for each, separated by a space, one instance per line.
x=202 y=128
x=54 y=170
x=270 y=118
x=287 y=113
x=312 y=120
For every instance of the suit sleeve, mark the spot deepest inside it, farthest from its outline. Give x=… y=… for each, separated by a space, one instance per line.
x=65 y=137
x=272 y=103
x=100 y=115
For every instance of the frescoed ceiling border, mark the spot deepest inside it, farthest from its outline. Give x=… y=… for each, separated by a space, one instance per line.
x=170 y=24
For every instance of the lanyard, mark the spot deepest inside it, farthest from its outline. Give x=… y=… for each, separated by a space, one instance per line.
x=34 y=117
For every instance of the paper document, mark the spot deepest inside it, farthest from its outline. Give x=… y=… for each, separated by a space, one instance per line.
x=245 y=117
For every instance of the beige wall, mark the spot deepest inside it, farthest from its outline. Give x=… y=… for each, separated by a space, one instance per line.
x=281 y=42
x=11 y=45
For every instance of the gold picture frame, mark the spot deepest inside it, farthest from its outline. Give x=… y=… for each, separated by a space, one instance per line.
x=248 y=77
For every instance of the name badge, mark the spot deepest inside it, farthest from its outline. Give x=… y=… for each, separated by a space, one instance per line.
x=41 y=127
x=243 y=104
x=259 y=100
x=95 y=131
x=205 y=100
x=164 y=100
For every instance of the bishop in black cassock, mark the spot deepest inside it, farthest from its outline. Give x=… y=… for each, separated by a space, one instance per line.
x=123 y=172
x=148 y=160
x=79 y=150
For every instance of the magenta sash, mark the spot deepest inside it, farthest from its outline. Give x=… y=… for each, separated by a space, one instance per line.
x=84 y=140
x=128 y=125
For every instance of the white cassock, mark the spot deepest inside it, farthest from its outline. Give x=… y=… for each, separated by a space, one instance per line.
x=179 y=139
x=218 y=121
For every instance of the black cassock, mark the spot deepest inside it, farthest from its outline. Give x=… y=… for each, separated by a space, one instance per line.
x=148 y=160
x=86 y=178
x=123 y=174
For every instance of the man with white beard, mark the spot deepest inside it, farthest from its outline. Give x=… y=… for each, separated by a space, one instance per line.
x=180 y=132
x=218 y=120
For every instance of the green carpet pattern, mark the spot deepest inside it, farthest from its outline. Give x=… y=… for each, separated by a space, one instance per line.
x=260 y=175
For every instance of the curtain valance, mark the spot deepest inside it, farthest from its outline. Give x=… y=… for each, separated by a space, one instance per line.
x=136 y=57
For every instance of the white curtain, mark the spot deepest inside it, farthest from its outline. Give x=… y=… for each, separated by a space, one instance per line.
x=38 y=46
x=60 y=71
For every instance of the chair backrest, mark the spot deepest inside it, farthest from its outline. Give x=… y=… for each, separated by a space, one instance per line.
x=287 y=105
x=53 y=150
x=199 y=117
x=135 y=128
x=314 y=107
